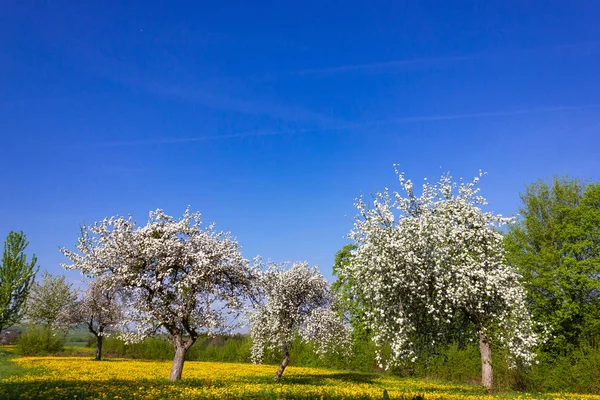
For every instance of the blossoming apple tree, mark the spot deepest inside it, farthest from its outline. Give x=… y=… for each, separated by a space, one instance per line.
x=430 y=267
x=100 y=309
x=178 y=276
x=296 y=301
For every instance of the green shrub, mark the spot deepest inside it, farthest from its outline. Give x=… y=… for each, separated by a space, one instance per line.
x=578 y=371
x=149 y=349
x=234 y=348
x=457 y=365
x=40 y=340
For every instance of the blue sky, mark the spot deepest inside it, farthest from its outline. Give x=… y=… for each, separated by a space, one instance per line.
x=270 y=118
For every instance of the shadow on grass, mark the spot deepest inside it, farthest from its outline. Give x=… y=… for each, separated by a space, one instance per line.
x=153 y=389
x=110 y=389
x=8 y=368
x=323 y=379
x=341 y=378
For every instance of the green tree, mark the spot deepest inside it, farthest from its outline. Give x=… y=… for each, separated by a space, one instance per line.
x=16 y=277
x=556 y=246
x=363 y=348
x=51 y=302
x=341 y=286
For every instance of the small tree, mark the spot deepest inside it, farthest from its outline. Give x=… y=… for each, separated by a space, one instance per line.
x=295 y=301
x=100 y=310
x=177 y=276
x=431 y=268
x=50 y=301
x=16 y=277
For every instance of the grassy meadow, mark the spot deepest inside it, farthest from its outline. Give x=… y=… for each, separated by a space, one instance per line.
x=79 y=377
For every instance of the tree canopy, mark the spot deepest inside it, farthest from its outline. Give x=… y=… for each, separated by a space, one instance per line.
x=342 y=286
x=556 y=246
x=431 y=268
x=295 y=301
x=51 y=301
x=16 y=277
x=100 y=309
x=177 y=275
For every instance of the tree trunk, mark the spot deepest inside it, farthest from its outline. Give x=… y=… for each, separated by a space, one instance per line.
x=99 y=339
x=181 y=346
x=487 y=373
x=177 y=366
x=284 y=363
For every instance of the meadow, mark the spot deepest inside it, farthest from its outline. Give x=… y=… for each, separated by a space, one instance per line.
x=79 y=377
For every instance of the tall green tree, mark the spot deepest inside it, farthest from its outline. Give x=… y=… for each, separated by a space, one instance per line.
x=16 y=277
x=556 y=247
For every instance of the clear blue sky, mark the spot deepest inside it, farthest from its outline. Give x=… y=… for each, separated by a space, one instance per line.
x=271 y=118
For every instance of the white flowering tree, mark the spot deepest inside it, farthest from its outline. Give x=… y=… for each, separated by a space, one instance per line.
x=295 y=301
x=178 y=276
x=50 y=301
x=100 y=309
x=430 y=267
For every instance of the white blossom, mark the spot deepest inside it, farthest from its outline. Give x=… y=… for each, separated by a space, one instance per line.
x=100 y=308
x=428 y=264
x=177 y=276
x=296 y=301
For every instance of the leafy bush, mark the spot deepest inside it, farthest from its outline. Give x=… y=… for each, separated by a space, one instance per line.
x=150 y=349
x=457 y=365
x=234 y=348
x=40 y=340
x=578 y=371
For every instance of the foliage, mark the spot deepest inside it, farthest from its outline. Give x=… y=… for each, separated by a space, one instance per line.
x=40 y=340
x=235 y=348
x=342 y=287
x=342 y=259
x=177 y=276
x=51 y=301
x=577 y=371
x=363 y=349
x=430 y=270
x=16 y=277
x=296 y=301
x=151 y=348
x=556 y=246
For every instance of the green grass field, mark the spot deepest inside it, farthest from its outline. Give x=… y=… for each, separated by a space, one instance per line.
x=8 y=368
x=77 y=377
